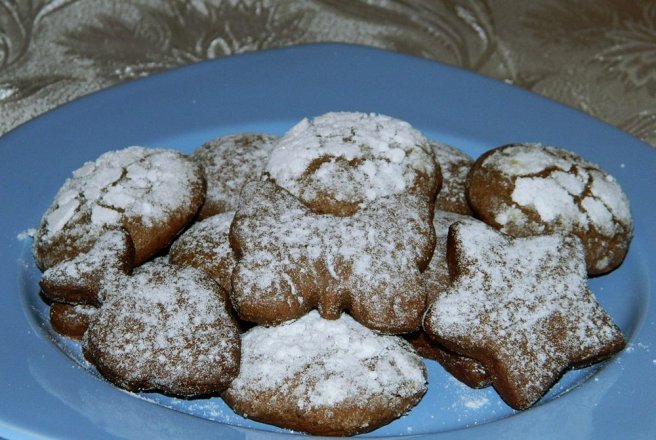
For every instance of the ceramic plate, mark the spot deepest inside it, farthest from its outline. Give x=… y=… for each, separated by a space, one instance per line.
x=46 y=388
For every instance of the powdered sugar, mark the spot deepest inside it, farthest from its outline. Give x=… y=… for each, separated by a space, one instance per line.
x=165 y=328
x=369 y=262
x=561 y=187
x=524 y=305
x=354 y=157
x=315 y=362
x=229 y=162
x=135 y=185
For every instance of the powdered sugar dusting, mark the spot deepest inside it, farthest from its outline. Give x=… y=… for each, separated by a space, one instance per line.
x=205 y=245
x=561 y=187
x=354 y=156
x=135 y=184
x=369 y=261
x=313 y=362
x=524 y=303
x=165 y=328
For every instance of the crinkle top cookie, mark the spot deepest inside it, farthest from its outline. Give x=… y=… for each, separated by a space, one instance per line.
x=332 y=377
x=152 y=193
x=529 y=189
x=337 y=161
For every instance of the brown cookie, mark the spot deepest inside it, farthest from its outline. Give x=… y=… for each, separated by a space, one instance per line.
x=437 y=280
x=467 y=370
x=206 y=246
x=228 y=163
x=165 y=329
x=337 y=162
x=291 y=260
x=151 y=193
x=455 y=165
x=325 y=377
x=81 y=279
x=531 y=189
x=521 y=307
x=71 y=320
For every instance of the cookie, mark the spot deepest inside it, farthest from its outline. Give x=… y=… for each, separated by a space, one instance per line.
x=437 y=281
x=151 y=193
x=228 y=163
x=325 y=377
x=531 y=189
x=82 y=279
x=521 y=307
x=71 y=320
x=206 y=246
x=336 y=162
x=291 y=260
x=465 y=369
x=165 y=329
x=454 y=165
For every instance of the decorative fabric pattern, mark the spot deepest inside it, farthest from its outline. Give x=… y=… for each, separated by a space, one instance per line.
x=598 y=56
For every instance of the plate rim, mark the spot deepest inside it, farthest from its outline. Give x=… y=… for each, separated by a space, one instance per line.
x=336 y=49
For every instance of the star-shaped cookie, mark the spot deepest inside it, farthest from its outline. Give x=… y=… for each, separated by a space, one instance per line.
x=520 y=306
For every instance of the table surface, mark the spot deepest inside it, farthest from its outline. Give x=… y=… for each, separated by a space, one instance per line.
x=599 y=57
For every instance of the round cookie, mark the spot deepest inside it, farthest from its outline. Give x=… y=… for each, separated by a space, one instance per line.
x=325 y=377
x=228 y=163
x=151 y=193
x=206 y=246
x=336 y=162
x=71 y=320
x=455 y=165
x=165 y=329
x=531 y=189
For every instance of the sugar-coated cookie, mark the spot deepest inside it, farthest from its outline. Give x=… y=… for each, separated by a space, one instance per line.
x=167 y=329
x=467 y=370
x=83 y=278
x=291 y=260
x=530 y=189
x=151 y=193
x=521 y=307
x=338 y=161
x=455 y=165
x=206 y=245
x=228 y=163
x=325 y=377
x=71 y=320
x=437 y=281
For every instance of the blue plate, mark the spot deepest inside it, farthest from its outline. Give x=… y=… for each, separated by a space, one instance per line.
x=46 y=388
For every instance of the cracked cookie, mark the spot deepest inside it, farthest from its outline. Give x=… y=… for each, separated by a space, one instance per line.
x=531 y=189
x=151 y=193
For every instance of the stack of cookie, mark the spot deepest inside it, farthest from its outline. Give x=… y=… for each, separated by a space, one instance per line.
x=302 y=277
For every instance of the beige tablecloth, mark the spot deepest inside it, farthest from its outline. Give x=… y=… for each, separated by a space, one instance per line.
x=596 y=55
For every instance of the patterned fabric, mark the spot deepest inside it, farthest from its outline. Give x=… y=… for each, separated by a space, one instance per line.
x=596 y=55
